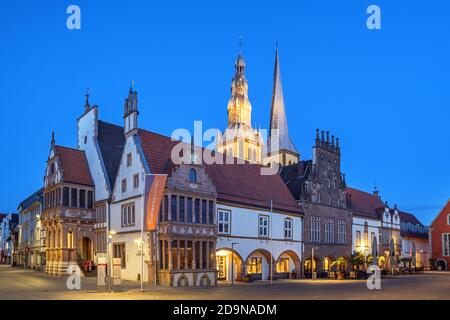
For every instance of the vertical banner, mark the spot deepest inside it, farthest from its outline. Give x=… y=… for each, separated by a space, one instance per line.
x=154 y=190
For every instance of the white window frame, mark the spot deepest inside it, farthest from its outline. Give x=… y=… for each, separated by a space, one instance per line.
x=315 y=229
x=446 y=245
x=223 y=221
x=263 y=225
x=448 y=219
x=128 y=215
x=288 y=228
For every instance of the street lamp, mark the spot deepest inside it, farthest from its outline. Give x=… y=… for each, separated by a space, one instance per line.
x=232 y=262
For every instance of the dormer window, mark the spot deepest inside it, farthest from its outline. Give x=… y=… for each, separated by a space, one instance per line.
x=448 y=219
x=52 y=168
x=192 y=176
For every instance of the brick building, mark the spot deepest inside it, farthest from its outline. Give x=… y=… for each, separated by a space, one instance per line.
x=440 y=238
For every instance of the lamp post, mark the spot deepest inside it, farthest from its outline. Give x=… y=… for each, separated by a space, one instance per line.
x=232 y=262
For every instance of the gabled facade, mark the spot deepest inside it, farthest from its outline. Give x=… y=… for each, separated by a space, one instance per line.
x=68 y=215
x=440 y=238
x=31 y=249
x=102 y=144
x=319 y=188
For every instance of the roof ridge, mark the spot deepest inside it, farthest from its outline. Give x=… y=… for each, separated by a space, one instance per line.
x=70 y=148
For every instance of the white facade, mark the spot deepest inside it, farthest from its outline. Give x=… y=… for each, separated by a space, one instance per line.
x=244 y=232
x=129 y=234
x=87 y=141
x=359 y=243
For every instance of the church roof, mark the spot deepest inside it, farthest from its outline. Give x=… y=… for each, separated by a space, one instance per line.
x=111 y=141
x=278 y=119
x=237 y=183
x=364 y=203
x=74 y=166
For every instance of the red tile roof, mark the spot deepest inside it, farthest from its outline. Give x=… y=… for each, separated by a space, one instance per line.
x=365 y=204
x=237 y=183
x=74 y=165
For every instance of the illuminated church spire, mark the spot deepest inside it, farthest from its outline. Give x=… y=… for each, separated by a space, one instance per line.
x=278 y=120
x=239 y=106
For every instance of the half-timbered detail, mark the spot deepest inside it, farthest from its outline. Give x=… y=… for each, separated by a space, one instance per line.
x=68 y=215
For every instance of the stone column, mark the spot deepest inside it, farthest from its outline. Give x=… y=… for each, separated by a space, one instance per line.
x=200 y=248
x=207 y=253
x=178 y=255
x=170 y=255
x=194 y=266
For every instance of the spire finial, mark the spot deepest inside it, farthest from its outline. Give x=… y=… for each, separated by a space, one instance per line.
x=87 y=106
x=53 y=138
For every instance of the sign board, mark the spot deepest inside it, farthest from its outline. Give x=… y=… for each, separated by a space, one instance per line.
x=154 y=190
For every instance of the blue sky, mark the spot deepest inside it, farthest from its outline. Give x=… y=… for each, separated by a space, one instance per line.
x=384 y=93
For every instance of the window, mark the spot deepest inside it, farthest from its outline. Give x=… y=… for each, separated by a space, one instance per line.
x=211 y=212
x=283 y=265
x=119 y=252
x=192 y=176
x=254 y=265
x=124 y=185
x=318 y=198
x=129 y=160
x=342 y=231
x=136 y=181
x=223 y=221
x=329 y=230
x=181 y=208
x=166 y=208
x=197 y=211
x=66 y=197
x=358 y=238
x=52 y=168
x=263 y=224
x=90 y=203
x=82 y=198
x=315 y=229
x=329 y=200
x=173 y=207
x=74 y=198
x=189 y=210
x=448 y=218
x=128 y=215
x=204 y=211
x=288 y=228
x=446 y=244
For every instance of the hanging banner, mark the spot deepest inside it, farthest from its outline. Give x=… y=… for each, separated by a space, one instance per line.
x=154 y=190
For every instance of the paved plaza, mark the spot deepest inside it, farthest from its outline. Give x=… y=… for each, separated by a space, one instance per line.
x=16 y=283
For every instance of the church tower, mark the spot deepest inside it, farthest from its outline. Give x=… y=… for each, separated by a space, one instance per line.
x=240 y=140
x=280 y=148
